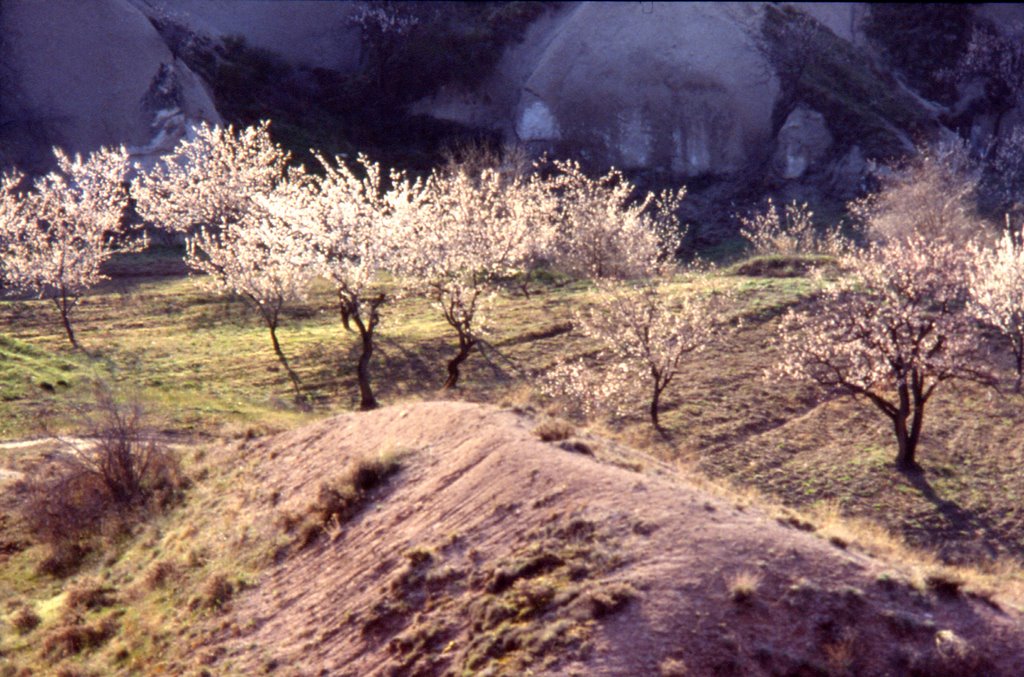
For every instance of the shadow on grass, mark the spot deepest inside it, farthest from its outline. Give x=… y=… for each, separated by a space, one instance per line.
x=956 y=521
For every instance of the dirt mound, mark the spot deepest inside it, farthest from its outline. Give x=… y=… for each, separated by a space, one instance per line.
x=490 y=551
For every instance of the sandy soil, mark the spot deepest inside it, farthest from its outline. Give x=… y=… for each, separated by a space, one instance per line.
x=660 y=561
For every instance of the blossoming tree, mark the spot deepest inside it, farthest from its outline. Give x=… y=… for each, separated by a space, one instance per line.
x=261 y=258
x=211 y=179
x=604 y=231
x=467 y=232
x=349 y=220
x=58 y=235
x=892 y=333
x=646 y=333
x=997 y=292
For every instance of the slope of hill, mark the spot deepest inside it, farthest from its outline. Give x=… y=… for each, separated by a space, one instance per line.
x=493 y=552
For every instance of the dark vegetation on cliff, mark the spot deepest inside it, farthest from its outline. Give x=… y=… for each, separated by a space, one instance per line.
x=446 y=44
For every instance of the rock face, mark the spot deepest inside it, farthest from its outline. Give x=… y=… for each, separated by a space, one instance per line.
x=85 y=74
x=308 y=32
x=690 y=89
x=679 y=86
x=683 y=89
x=803 y=140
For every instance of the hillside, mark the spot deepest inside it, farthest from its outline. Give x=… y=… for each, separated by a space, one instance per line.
x=489 y=551
x=596 y=568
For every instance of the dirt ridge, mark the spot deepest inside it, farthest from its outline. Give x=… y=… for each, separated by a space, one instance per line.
x=492 y=552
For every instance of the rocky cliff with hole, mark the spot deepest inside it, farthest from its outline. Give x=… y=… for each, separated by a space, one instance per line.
x=773 y=94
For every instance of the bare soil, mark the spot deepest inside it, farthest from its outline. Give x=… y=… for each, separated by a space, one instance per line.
x=492 y=552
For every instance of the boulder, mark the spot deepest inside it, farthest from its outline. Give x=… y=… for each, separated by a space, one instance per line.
x=638 y=85
x=846 y=175
x=802 y=141
x=85 y=74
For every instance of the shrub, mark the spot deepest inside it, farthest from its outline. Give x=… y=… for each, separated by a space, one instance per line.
x=88 y=594
x=74 y=638
x=931 y=196
x=339 y=500
x=159 y=573
x=116 y=470
x=25 y=620
x=743 y=585
x=554 y=430
x=791 y=232
x=216 y=591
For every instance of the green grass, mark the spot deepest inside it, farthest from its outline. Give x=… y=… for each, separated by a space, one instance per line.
x=206 y=364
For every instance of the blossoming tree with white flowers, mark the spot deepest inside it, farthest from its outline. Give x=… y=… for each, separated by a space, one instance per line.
x=606 y=231
x=349 y=219
x=58 y=234
x=997 y=292
x=467 y=233
x=891 y=333
x=211 y=179
x=261 y=259
x=645 y=333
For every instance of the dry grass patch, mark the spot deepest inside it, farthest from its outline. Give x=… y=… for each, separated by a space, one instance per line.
x=25 y=619
x=73 y=638
x=340 y=499
x=215 y=592
x=743 y=585
x=88 y=594
x=554 y=430
x=159 y=574
x=673 y=667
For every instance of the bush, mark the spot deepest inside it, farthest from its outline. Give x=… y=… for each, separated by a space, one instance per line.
x=790 y=232
x=74 y=638
x=554 y=430
x=339 y=500
x=109 y=476
x=216 y=591
x=743 y=585
x=25 y=620
x=87 y=595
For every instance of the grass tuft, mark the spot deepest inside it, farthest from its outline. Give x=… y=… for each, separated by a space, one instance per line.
x=743 y=585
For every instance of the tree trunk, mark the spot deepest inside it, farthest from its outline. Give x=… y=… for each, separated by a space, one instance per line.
x=654 y=412
x=906 y=439
x=655 y=406
x=1018 y=353
x=912 y=401
x=907 y=446
x=62 y=306
x=284 y=360
x=465 y=346
x=366 y=399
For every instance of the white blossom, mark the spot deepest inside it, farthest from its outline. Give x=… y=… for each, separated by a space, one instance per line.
x=931 y=195
x=462 y=233
x=891 y=332
x=645 y=334
x=604 y=232
x=790 y=232
x=997 y=291
x=58 y=235
x=212 y=178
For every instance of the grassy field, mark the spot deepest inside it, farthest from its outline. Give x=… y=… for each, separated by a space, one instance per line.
x=204 y=363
